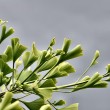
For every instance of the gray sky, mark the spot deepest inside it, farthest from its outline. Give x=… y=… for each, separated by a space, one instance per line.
x=86 y=22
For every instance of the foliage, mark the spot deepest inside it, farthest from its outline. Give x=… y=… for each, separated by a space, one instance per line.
x=27 y=81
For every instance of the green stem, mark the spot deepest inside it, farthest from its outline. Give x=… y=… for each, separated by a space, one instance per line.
x=66 y=86
x=84 y=73
x=13 y=74
x=19 y=74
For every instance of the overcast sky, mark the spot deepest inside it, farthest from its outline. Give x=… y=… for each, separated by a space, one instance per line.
x=85 y=22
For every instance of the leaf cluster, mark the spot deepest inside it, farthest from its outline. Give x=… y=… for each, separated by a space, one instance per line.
x=30 y=81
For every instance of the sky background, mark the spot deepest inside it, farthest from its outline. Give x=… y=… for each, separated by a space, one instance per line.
x=85 y=22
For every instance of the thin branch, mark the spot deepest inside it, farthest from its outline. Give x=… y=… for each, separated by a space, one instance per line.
x=52 y=105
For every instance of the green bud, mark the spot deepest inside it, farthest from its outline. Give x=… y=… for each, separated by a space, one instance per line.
x=108 y=68
x=96 y=56
x=52 y=42
x=66 y=45
x=27 y=87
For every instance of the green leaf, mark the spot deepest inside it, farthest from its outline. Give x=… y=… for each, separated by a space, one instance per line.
x=46 y=107
x=70 y=107
x=17 y=48
x=43 y=92
x=60 y=103
x=14 y=106
x=7 y=105
x=6 y=100
x=100 y=84
x=5 y=34
x=48 y=64
x=75 y=52
x=18 y=63
x=34 y=105
x=35 y=50
x=48 y=83
x=42 y=58
x=65 y=66
x=108 y=68
x=63 y=69
x=8 y=53
x=25 y=74
x=108 y=71
x=14 y=41
x=66 y=45
x=5 y=68
x=28 y=59
x=9 y=32
x=3 y=79
x=95 y=78
x=3 y=57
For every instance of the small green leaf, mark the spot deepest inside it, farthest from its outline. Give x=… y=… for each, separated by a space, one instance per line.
x=59 y=103
x=5 y=34
x=18 y=63
x=108 y=68
x=75 y=52
x=100 y=84
x=96 y=56
x=5 y=68
x=14 y=106
x=48 y=64
x=6 y=100
x=108 y=71
x=8 y=53
x=17 y=48
x=4 y=57
x=35 y=50
x=48 y=83
x=28 y=59
x=46 y=107
x=42 y=58
x=65 y=66
x=25 y=74
x=66 y=45
x=63 y=69
x=95 y=78
x=43 y=92
x=9 y=32
x=14 y=41
x=34 y=105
